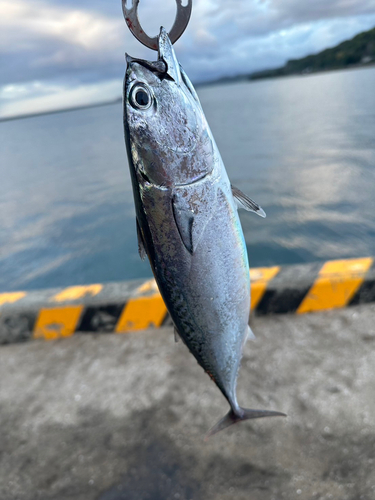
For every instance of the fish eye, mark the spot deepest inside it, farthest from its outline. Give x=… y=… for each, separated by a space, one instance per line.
x=141 y=97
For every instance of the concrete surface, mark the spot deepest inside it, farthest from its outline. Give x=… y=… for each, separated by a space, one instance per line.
x=115 y=417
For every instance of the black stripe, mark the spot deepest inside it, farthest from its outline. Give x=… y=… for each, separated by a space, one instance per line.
x=100 y=318
x=286 y=291
x=366 y=292
x=17 y=327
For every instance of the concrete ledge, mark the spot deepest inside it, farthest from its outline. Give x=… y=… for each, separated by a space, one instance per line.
x=136 y=305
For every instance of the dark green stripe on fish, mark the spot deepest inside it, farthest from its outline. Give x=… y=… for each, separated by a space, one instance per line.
x=187 y=220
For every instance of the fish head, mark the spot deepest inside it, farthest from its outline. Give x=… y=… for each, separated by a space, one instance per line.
x=165 y=126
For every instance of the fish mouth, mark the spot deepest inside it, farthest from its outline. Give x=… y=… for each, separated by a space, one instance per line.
x=158 y=67
x=167 y=65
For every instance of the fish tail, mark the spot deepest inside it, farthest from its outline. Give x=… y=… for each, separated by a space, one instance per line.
x=232 y=417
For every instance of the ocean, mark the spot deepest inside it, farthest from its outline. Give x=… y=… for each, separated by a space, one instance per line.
x=302 y=147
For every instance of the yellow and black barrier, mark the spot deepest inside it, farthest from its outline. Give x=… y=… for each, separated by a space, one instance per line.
x=136 y=305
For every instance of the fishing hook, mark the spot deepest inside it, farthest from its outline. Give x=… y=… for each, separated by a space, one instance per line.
x=181 y=21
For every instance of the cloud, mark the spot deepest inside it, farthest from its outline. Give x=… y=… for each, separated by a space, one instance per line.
x=73 y=43
x=22 y=21
x=250 y=52
x=40 y=97
x=39 y=40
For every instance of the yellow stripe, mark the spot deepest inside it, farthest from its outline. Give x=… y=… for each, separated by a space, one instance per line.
x=10 y=298
x=77 y=292
x=141 y=313
x=259 y=278
x=336 y=284
x=57 y=322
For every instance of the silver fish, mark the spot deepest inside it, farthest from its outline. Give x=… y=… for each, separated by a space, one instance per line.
x=187 y=220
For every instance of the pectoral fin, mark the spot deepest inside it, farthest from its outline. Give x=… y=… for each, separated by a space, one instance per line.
x=184 y=219
x=193 y=208
x=243 y=201
x=141 y=245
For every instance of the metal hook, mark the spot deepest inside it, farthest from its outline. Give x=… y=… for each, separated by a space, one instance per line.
x=179 y=25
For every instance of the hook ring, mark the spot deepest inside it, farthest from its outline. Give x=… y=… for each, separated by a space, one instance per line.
x=180 y=23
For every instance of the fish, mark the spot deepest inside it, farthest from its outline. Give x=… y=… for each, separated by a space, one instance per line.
x=187 y=220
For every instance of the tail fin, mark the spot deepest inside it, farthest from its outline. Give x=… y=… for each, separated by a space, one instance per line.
x=246 y=414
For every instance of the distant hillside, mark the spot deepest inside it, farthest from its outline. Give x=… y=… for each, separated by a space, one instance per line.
x=360 y=50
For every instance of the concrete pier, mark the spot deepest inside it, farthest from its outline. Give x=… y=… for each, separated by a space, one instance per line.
x=115 y=417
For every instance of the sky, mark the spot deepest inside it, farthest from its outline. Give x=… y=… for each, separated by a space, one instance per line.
x=63 y=53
